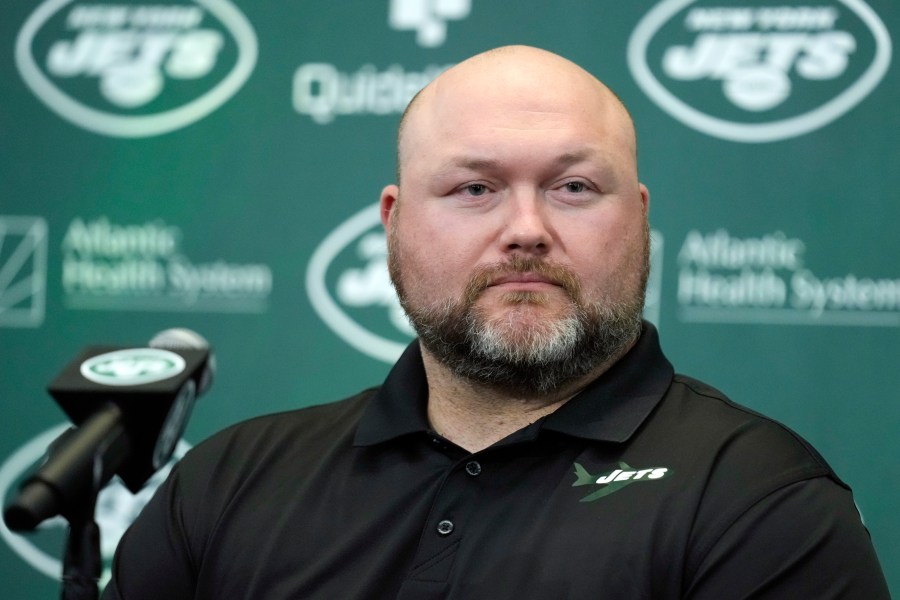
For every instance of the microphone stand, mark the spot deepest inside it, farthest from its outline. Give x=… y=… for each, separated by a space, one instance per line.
x=82 y=563
x=79 y=464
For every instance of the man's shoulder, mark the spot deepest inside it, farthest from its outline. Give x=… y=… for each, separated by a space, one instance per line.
x=310 y=419
x=280 y=436
x=757 y=494
x=735 y=435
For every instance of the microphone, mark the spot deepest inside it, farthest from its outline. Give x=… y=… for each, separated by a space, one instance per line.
x=130 y=407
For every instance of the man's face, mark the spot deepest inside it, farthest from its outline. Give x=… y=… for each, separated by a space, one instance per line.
x=518 y=240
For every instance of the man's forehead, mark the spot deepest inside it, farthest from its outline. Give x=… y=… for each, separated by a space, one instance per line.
x=515 y=81
x=477 y=162
x=520 y=85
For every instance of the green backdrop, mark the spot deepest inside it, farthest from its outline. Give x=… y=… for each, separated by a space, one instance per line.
x=215 y=165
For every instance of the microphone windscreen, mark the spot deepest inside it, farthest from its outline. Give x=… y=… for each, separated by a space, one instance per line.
x=181 y=338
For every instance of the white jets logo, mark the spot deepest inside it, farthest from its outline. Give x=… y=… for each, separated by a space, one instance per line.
x=352 y=261
x=132 y=367
x=758 y=73
x=124 y=69
x=428 y=18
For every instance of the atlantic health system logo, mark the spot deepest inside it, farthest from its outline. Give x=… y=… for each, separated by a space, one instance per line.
x=132 y=69
x=723 y=278
x=133 y=267
x=759 y=71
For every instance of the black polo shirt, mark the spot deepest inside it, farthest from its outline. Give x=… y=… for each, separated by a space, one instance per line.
x=645 y=485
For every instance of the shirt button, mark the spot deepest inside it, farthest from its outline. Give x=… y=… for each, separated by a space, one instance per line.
x=445 y=527
x=473 y=468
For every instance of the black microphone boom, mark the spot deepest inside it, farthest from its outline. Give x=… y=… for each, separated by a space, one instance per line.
x=130 y=407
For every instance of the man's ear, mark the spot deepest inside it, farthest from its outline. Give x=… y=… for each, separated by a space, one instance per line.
x=645 y=197
x=389 y=196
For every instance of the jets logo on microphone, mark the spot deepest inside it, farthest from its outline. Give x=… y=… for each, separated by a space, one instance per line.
x=132 y=367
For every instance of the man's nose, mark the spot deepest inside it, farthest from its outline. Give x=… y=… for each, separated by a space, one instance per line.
x=526 y=227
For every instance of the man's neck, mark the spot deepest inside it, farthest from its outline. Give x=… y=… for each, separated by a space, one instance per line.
x=475 y=416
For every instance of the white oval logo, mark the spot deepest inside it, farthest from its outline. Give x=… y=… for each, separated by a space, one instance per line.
x=113 y=76
x=361 y=285
x=134 y=366
x=116 y=509
x=758 y=72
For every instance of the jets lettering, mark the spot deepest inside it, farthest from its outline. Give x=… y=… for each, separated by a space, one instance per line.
x=620 y=475
x=815 y=56
x=132 y=367
x=132 y=49
x=183 y=55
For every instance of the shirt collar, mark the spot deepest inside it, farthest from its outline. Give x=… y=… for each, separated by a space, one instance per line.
x=613 y=406
x=399 y=406
x=610 y=408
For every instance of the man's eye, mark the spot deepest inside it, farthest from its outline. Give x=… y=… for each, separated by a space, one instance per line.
x=574 y=187
x=476 y=189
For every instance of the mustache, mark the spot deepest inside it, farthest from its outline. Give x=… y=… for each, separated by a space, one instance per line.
x=487 y=275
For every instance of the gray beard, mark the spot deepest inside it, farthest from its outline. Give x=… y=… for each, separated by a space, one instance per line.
x=543 y=361
x=536 y=361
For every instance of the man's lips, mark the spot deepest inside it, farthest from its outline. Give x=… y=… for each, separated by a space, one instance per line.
x=523 y=281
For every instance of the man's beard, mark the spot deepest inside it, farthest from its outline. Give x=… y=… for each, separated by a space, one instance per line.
x=541 y=356
x=527 y=360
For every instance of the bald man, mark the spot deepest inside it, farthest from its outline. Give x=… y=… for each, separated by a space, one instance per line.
x=533 y=442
